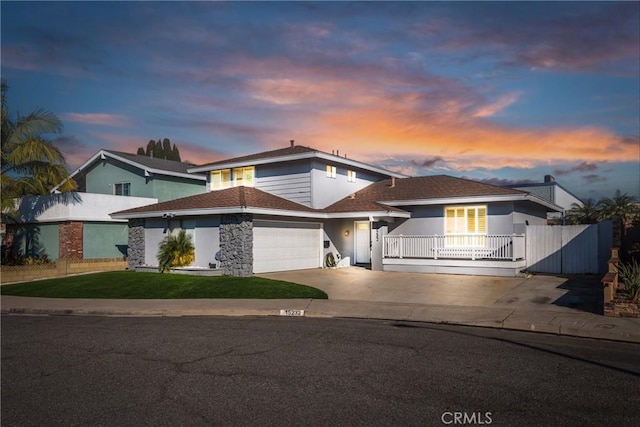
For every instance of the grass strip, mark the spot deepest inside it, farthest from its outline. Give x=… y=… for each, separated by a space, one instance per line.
x=132 y=285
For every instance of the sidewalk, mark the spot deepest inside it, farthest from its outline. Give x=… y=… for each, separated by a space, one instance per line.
x=579 y=324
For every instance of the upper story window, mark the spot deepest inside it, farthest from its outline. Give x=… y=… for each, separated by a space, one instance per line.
x=122 y=189
x=331 y=171
x=224 y=178
x=244 y=176
x=465 y=225
x=351 y=176
x=220 y=179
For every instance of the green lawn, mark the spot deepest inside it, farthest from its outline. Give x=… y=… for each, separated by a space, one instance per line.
x=129 y=284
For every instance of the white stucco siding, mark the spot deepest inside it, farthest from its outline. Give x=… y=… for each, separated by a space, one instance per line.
x=564 y=199
x=207 y=241
x=155 y=230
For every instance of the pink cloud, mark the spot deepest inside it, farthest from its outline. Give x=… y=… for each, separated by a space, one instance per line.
x=102 y=119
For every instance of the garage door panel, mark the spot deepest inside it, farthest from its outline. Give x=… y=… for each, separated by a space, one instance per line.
x=279 y=246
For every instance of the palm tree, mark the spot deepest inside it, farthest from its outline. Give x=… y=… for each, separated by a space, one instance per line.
x=621 y=206
x=622 y=209
x=588 y=213
x=176 y=250
x=31 y=165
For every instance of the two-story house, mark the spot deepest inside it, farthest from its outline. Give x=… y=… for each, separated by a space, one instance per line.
x=289 y=208
x=77 y=225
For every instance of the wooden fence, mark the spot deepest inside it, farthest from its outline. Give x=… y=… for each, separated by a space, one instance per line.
x=61 y=268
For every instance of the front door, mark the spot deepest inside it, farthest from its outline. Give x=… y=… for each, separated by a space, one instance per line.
x=363 y=242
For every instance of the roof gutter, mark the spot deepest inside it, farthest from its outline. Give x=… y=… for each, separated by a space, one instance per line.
x=257 y=211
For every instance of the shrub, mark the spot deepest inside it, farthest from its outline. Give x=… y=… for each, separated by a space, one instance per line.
x=175 y=251
x=13 y=259
x=630 y=275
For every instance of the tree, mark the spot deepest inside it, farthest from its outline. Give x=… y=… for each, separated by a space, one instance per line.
x=31 y=165
x=175 y=153
x=588 y=213
x=176 y=250
x=621 y=206
x=160 y=149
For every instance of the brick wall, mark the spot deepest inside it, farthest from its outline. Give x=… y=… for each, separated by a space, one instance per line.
x=70 y=240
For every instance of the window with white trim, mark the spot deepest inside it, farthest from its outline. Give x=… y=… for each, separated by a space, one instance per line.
x=220 y=179
x=351 y=176
x=244 y=176
x=122 y=189
x=331 y=171
x=465 y=225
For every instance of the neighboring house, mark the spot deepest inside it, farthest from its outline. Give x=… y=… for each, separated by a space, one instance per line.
x=553 y=192
x=289 y=208
x=77 y=225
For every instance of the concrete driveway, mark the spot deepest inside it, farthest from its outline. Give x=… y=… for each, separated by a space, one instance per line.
x=537 y=291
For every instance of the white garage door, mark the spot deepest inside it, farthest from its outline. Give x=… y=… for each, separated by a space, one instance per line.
x=281 y=246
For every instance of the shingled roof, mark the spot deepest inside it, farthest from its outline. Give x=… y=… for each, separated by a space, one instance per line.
x=154 y=163
x=280 y=152
x=235 y=197
x=377 y=197
x=417 y=188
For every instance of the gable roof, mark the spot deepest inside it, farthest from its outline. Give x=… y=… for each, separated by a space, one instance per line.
x=246 y=199
x=382 y=198
x=230 y=200
x=149 y=165
x=430 y=190
x=153 y=163
x=291 y=153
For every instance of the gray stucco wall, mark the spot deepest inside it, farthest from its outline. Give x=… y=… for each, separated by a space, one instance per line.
x=429 y=220
x=236 y=245
x=136 y=244
x=326 y=191
x=334 y=232
x=526 y=212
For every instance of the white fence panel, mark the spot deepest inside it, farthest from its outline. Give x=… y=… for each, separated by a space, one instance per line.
x=568 y=249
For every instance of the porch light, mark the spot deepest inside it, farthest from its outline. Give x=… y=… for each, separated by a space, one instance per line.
x=346 y=233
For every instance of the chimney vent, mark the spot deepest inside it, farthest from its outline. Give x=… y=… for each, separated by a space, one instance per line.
x=293 y=142
x=338 y=153
x=393 y=181
x=549 y=178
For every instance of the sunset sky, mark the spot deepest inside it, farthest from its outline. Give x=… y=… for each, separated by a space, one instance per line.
x=500 y=92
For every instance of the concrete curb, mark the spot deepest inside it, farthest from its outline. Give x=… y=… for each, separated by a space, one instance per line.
x=462 y=316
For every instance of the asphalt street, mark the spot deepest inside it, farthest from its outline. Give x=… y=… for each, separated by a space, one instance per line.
x=262 y=371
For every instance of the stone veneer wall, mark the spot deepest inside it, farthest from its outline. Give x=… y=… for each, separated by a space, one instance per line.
x=135 y=251
x=70 y=244
x=236 y=245
x=622 y=307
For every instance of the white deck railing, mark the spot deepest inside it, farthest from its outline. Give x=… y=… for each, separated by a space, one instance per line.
x=462 y=246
